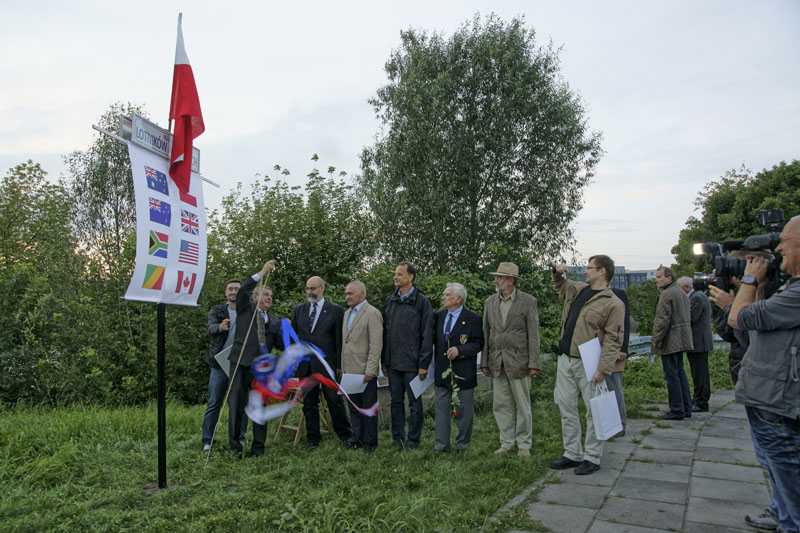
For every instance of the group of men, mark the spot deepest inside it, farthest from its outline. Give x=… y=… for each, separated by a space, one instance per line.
x=404 y=338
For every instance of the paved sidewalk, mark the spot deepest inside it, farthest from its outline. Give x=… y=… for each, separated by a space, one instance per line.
x=693 y=475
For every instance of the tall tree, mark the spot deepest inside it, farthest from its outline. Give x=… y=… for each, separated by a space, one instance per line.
x=730 y=210
x=101 y=183
x=482 y=143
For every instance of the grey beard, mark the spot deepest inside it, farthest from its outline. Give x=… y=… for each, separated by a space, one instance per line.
x=313 y=299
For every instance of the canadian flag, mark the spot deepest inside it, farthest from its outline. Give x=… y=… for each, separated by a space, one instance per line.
x=184 y=109
x=186 y=282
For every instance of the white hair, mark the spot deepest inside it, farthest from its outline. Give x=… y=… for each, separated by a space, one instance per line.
x=460 y=290
x=360 y=286
x=685 y=282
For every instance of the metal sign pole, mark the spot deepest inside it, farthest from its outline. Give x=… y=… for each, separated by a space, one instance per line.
x=162 y=395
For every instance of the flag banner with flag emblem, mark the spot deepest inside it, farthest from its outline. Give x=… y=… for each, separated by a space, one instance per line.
x=160 y=212
x=170 y=250
x=186 y=282
x=154 y=277
x=189 y=222
x=189 y=253
x=156 y=180
x=158 y=244
x=188 y=198
x=184 y=109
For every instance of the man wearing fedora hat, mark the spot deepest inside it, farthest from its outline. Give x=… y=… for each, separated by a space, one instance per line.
x=511 y=357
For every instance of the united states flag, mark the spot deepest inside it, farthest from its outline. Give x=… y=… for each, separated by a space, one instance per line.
x=189 y=222
x=190 y=253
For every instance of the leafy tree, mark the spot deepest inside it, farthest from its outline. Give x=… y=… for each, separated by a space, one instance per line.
x=482 y=142
x=730 y=210
x=100 y=180
x=642 y=301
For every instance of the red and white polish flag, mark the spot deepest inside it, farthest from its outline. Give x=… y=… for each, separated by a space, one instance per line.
x=185 y=110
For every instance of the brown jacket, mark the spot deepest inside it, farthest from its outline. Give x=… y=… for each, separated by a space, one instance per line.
x=603 y=316
x=515 y=344
x=672 y=325
x=361 y=346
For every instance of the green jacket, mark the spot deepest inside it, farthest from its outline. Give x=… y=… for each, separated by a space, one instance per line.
x=672 y=325
x=515 y=344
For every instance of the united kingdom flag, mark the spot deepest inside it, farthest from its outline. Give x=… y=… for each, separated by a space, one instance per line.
x=189 y=222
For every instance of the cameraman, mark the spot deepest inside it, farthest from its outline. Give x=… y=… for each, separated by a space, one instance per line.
x=769 y=381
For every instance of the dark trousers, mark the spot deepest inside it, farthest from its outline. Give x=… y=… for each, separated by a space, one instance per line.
x=365 y=428
x=698 y=363
x=237 y=401
x=398 y=388
x=336 y=407
x=680 y=398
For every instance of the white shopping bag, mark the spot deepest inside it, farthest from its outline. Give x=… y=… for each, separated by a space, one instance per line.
x=605 y=413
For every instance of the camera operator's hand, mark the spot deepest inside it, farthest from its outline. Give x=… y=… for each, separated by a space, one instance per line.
x=757 y=266
x=719 y=297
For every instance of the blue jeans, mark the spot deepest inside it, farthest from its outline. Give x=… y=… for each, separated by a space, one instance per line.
x=680 y=396
x=217 y=385
x=776 y=440
x=398 y=386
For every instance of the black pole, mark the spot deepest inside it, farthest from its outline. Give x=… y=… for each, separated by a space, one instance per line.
x=162 y=407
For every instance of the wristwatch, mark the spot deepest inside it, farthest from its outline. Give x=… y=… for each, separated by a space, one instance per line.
x=749 y=279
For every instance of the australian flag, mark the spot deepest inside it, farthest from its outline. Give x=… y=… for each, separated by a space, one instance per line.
x=160 y=211
x=189 y=222
x=156 y=180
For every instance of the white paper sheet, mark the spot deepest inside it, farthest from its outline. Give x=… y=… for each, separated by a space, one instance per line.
x=590 y=356
x=353 y=383
x=223 y=362
x=418 y=387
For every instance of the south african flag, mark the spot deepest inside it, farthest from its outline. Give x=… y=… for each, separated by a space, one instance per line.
x=158 y=244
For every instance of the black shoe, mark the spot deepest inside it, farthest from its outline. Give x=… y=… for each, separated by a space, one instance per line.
x=397 y=444
x=257 y=453
x=563 y=463
x=311 y=446
x=237 y=454
x=672 y=416
x=696 y=409
x=765 y=521
x=620 y=434
x=352 y=445
x=586 y=468
x=412 y=446
x=687 y=415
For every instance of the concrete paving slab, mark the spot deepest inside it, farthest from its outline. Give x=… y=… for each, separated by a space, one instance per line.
x=613 y=461
x=619 y=447
x=720 y=512
x=736 y=431
x=600 y=526
x=637 y=425
x=646 y=489
x=655 y=471
x=661 y=443
x=728 y=412
x=718 y=455
x=605 y=477
x=662 y=456
x=729 y=472
x=642 y=513
x=735 y=491
x=725 y=443
x=588 y=496
x=694 y=527
x=561 y=518
x=675 y=432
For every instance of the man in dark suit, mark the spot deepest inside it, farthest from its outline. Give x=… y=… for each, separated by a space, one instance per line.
x=458 y=334
x=700 y=311
x=254 y=325
x=319 y=322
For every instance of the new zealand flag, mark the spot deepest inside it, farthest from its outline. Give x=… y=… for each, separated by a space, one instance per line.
x=160 y=211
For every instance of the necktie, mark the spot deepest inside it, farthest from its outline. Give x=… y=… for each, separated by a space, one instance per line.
x=313 y=315
x=447 y=325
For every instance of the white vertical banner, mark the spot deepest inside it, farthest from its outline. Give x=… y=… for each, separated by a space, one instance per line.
x=171 y=245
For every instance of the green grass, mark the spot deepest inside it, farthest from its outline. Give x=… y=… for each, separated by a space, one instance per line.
x=95 y=469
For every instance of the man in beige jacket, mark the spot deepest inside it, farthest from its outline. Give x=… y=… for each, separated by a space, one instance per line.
x=590 y=310
x=511 y=357
x=362 y=341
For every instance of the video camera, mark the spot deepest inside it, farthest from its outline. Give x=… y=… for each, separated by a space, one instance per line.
x=726 y=267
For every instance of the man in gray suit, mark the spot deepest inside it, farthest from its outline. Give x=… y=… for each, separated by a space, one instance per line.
x=700 y=310
x=511 y=357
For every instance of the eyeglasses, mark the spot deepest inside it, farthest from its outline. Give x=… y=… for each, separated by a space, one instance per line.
x=312 y=289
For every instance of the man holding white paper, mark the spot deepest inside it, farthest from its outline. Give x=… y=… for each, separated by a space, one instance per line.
x=362 y=342
x=590 y=310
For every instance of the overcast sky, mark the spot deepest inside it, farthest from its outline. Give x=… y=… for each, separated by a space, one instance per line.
x=682 y=91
